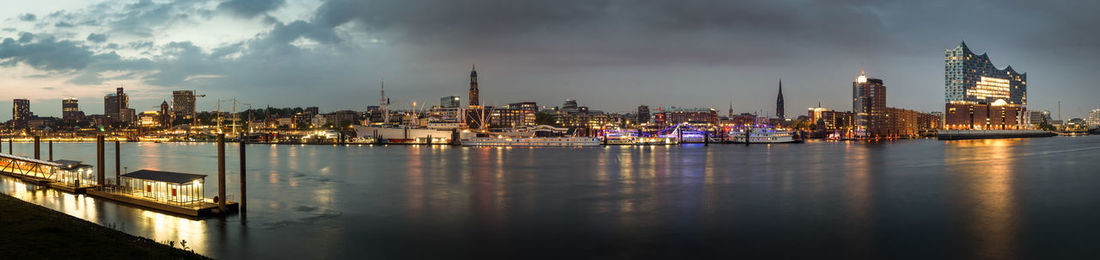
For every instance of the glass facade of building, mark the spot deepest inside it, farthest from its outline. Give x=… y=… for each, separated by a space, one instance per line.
x=972 y=79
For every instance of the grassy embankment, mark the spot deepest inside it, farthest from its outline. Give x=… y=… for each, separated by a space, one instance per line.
x=29 y=231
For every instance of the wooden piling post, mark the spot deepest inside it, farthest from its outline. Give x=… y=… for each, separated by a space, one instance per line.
x=100 y=164
x=221 y=173
x=51 y=150
x=242 y=206
x=118 y=162
x=37 y=148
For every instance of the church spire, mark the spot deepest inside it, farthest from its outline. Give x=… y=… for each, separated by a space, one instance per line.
x=779 y=105
x=473 y=86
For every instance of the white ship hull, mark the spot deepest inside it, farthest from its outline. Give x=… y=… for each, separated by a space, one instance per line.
x=531 y=141
x=402 y=135
x=761 y=136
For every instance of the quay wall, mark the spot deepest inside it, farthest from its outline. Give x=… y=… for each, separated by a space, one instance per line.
x=990 y=134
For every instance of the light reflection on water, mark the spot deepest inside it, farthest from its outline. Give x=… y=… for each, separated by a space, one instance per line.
x=916 y=199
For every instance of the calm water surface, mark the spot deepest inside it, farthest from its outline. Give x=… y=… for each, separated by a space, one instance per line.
x=1015 y=198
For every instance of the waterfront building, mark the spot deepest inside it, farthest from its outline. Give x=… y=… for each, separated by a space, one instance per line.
x=70 y=110
x=21 y=112
x=1094 y=118
x=513 y=115
x=1037 y=117
x=643 y=114
x=931 y=122
x=441 y=117
x=183 y=104
x=116 y=107
x=450 y=101
x=996 y=116
x=978 y=96
x=150 y=119
x=780 y=107
x=901 y=123
x=341 y=118
x=869 y=106
x=706 y=117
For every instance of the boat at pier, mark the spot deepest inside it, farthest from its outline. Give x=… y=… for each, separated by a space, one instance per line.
x=762 y=135
x=380 y=134
x=527 y=136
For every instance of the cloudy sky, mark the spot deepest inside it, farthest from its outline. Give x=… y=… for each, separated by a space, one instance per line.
x=611 y=55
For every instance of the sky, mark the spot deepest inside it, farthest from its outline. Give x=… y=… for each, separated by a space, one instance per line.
x=610 y=55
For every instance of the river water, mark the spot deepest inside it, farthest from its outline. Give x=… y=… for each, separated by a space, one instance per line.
x=1009 y=198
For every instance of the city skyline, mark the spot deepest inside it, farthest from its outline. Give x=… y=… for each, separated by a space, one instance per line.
x=151 y=60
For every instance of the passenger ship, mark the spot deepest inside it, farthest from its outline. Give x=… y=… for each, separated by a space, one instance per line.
x=528 y=136
x=763 y=135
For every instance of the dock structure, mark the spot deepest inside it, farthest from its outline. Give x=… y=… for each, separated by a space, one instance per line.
x=171 y=192
x=66 y=175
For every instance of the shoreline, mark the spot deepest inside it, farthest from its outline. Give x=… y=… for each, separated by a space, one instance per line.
x=35 y=232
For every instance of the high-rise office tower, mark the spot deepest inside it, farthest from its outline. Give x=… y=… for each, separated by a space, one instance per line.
x=643 y=114
x=21 y=111
x=869 y=106
x=116 y=106
x=70 y=110
x=450 y=101
x=183 y=104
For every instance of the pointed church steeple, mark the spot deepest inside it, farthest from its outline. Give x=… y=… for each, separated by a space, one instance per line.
x=473 y=86
x=779 y=105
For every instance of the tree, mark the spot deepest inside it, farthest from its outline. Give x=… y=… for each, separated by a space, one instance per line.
x=544 y=118
x=1046 y=127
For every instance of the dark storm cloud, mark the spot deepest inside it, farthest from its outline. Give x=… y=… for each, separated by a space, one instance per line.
x=250 y=8
x=97 y=37
x=140 y=18
x=350 y=43
x=27 y=17
x=44 y=53
x=611 y=32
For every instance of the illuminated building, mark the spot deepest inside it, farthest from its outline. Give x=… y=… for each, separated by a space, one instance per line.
x=978 y=96
x=1094 y=117
x=21 y=112
x=70 y=110
x=997 y=116
x=869 y=106
x=1037 y=117
x=166 y=187
x=183 y=104
x=116 y=107
x=696 y=117
x=972 y=79
x=513 y=115
x=150 y=119
x=450 y=102
x=643 y=114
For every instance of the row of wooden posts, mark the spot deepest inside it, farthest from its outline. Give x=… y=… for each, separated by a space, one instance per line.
x=100 y=164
